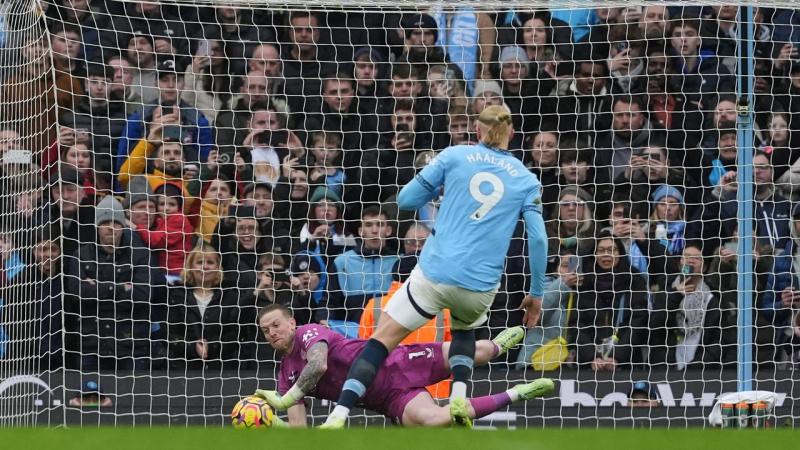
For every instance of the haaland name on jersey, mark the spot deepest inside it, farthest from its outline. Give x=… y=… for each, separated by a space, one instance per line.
x=503 y=163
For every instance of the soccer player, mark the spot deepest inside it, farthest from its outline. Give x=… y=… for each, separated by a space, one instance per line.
x=486 y=189
x=316 y=359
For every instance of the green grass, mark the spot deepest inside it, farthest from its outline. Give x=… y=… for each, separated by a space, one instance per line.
x=389 y=439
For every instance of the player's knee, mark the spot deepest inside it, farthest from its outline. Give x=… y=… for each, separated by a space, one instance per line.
x=390 y=332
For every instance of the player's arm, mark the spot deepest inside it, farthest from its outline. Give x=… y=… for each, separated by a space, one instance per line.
x=297 y=415
x=537 y=253
x=425 y=186
x=316 y=366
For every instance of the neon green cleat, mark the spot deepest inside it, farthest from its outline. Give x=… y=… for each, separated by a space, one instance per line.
x=333 y=423
x=459 y=413
x=277 y=422
x=537 y=388
x=509 y=338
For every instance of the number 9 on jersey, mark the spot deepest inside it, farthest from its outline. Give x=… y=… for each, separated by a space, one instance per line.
x=487 y=201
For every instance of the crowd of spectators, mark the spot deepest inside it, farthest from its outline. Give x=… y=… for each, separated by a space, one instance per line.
x=167 y=171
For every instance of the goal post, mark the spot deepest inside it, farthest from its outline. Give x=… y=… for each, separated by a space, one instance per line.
x=171 y=167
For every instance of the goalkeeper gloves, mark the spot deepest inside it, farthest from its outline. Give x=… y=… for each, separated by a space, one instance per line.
x=278 y=402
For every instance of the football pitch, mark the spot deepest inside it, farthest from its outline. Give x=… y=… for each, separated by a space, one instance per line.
x=393 y=438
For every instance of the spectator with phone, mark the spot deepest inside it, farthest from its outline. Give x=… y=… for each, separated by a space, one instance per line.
x=646 y=254
x=772 y=212
x=626 y=63
x=161 y=157
x=650 y=168
x=444 y=84
x=208 y=80
x=259 y=197
x=630 y=130
x=695 y=320
x=273 y=288
x=308 y=281
x=259 y=156
x=324 y=233
x=196 y=129
x=233 y=125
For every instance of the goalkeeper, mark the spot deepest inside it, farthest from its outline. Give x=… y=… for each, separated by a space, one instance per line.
x=486 y=191
x=316 y=360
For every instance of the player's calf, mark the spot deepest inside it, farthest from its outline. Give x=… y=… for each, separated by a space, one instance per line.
x=462 y=360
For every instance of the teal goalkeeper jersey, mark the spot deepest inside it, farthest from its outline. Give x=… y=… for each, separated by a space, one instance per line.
x=486 y=190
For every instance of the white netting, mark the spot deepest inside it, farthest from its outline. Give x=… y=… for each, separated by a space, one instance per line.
x=184 y=164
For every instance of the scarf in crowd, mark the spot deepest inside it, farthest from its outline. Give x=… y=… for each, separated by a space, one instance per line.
x=690 y=320
x=637 y=258
x=626 y=80
x=674 y=241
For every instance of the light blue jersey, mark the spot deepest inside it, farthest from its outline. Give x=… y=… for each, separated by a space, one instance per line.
x=485 y=192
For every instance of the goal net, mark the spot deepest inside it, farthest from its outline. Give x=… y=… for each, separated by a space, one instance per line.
x=170 y=167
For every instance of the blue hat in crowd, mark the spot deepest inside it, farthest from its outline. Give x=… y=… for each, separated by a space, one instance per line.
x=667 y=191
x=514 y=53
x=90 y=386
x=644 y=387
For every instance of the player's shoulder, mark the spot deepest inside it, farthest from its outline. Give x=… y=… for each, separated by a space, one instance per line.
x=310 y=330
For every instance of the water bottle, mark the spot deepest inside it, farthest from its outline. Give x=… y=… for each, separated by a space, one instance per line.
x=742 y=414
x=759 y=415
x=726 y=411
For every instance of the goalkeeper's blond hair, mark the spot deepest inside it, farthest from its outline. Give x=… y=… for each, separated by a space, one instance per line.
x=495 y=126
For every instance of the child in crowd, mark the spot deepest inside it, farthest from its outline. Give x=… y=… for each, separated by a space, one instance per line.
x=327 y=167
x=171 y=234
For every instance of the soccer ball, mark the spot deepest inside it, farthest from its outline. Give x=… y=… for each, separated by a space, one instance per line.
x=252 y=412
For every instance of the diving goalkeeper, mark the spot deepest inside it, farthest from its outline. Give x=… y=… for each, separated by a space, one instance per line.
x=315 y=362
